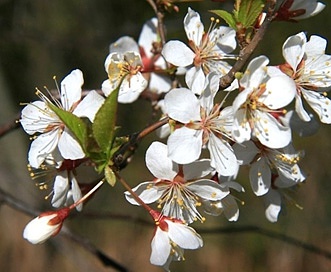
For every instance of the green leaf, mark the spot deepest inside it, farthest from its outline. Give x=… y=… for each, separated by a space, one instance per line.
x=76 y=125
x=110 y=176
x=249 y=11
x=103 y=127
x=226 y=16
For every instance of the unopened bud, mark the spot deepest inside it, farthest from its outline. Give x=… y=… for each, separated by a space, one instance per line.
x=44 y=226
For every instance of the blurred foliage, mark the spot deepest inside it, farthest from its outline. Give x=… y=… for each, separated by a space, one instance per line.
x=40 y=39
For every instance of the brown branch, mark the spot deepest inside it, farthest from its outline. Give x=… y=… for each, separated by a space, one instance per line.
x=9 y=126
x=247 y=51
x=271 y=234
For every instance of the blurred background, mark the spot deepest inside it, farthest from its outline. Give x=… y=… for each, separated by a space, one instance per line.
x=40 y=39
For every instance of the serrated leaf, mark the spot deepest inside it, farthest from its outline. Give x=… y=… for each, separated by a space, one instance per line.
x=75 y=124
x=110 y=176
x=226 y=16
x=249 y=10
x=103 y=127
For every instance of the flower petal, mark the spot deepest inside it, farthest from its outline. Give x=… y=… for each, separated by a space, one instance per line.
x=208 y=189
x=61 y=188
x=184 y=145
x=146 y=191
x=184 y=236
x=36 y=117
x=178 y=53
x=158 y=162
x=222 y=156
x=260 y=177
x=89 y=106
x=69 y=147
x=294 y=49
x=182 y=105
x=273 y=203
x=71 y=89
x=160 y=248
x=42 y=146
x=197 y=169
x=193 y=26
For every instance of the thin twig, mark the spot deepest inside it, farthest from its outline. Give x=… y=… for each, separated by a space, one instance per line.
x=247 y=51
x=271 y=234
x=9 y=126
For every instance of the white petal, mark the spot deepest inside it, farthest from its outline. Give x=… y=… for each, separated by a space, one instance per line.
x=241 y=131
x=123 y=45
x=273 y=203
x=36 y=117
x=222 y=156
x=294 y=49
x=255 y=73
x=184 y=236
x=160 y=248
x=159 y=83
x=208 y=189
x=193 y=26
x=280 y=91
x=270 y=131
x=42 y=146
x=317 y=71
x=182 y=105
x=69 y=147
x=195 y=79
x=260 y=177
x=184 y=145
x=311 y=9
x=89 y=106
x=61 y=188
x=107 y=87
x=197 y=169
x=146 y=191
x=71 y=89
x=246 y=152
x=315 y=46
x=38 y=230
x=227 y=41
x=320 y=104
x=240 y=99
x=300 y=110
x=178 y=53
x=231 y=210
x=209 y=92
x=76 y=193
x=158 y=162
x=148 y=35
x=131 y=88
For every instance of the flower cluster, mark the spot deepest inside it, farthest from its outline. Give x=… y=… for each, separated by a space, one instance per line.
x=208 y=138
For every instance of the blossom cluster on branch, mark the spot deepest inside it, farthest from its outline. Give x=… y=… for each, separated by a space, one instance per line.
x=208 y=136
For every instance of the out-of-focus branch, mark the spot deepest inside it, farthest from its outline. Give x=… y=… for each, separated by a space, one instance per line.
x=19 y=205
x=271 y=234
x=9 y=126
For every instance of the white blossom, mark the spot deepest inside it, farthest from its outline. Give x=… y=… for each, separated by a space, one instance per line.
x=180 y=189
x=256 y=107
x=206 y=51
x=38 y=117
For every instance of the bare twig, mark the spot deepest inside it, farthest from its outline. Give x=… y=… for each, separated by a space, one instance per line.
x=9 y=126
x=247 y=51
x=271 y=234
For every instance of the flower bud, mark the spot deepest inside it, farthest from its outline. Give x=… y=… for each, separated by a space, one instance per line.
x=44 y=226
